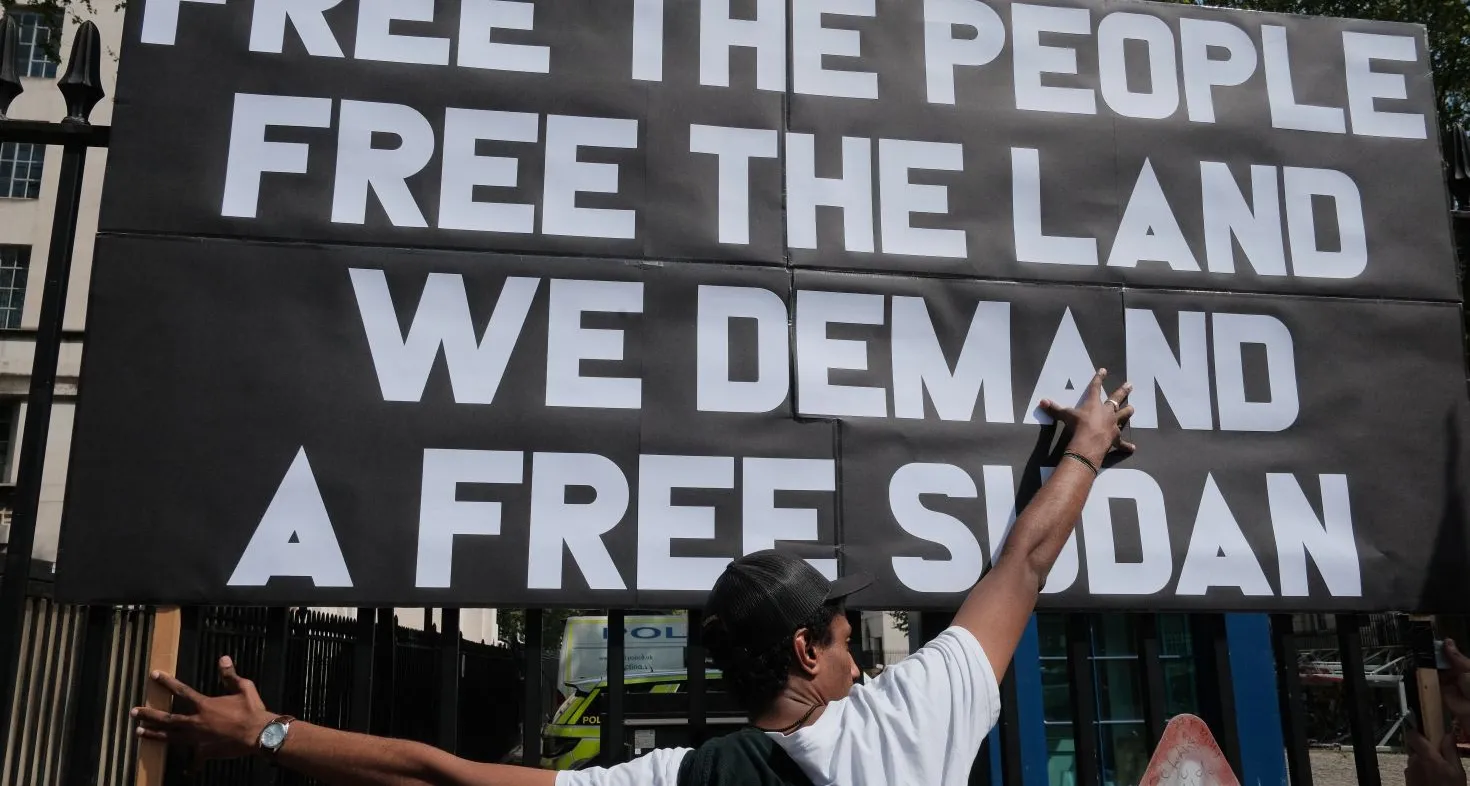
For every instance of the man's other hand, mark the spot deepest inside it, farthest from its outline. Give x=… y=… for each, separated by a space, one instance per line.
x=216 y=727
x=1455 y=684
x=1430 y=767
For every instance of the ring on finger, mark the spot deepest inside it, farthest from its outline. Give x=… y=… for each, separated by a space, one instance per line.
x=1114 y=403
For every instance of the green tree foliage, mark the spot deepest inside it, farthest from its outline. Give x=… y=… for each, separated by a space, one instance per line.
x=900 y=621
x=553 y=624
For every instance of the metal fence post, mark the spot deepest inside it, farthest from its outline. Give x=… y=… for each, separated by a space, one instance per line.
x=1012 y=767
x=531 y=721
x=126 y=674
x=80 y=768
x=384 y=667
x=1355 y=685
x=364 y=647
x=612 y=720
x=272 y=682
x=931 y=625
x=81 y=85
x=273 y=675
x=1289 y=695
x=449 y=651
x=861 y=656
x=1216 y=690
x=916 y=631
x=694 y=661
x=1084 y=698
x=1155 y=714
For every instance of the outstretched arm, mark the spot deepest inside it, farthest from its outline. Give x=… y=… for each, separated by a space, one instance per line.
x=229 y=726
x=998 y=608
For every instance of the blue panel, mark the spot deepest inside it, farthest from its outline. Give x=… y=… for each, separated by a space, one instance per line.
x=1027 y=666
x=1258 y=716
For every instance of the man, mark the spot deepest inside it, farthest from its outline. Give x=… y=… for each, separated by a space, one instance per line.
x=775 y=627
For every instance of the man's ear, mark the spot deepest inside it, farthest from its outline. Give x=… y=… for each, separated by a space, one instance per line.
x=805 y=651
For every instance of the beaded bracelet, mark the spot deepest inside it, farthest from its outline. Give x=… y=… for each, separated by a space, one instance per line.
x=1085 y=462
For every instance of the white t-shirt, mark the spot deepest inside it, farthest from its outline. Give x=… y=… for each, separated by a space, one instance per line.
x=921 y=721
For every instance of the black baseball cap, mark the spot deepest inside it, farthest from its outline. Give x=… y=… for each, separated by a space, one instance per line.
x=765 y=596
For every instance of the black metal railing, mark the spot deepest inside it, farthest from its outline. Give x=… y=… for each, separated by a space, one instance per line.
x=306 y=662
x=81 y=87
x=85 y=667
x=81 y=668
x=319 y=659
x=415 y=662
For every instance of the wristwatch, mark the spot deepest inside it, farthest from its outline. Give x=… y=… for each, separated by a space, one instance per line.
x=273 y=736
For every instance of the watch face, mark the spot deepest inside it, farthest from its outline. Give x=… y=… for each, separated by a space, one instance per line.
x=273 y=735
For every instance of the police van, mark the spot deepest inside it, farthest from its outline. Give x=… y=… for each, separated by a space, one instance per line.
x=655 y=715
x=656 y=695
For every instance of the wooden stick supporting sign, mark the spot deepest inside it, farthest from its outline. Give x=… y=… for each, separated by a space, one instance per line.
x=1426 y=682
x=163 y=655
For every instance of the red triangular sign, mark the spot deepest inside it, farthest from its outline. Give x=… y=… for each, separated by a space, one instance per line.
x=1188 y=756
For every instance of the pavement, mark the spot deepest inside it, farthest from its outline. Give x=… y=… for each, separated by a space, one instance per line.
x=1336 y=768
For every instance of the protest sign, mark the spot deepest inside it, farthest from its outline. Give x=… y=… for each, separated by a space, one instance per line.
x=569 y=303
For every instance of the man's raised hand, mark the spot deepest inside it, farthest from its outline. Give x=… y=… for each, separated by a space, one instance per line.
x=1097 y=423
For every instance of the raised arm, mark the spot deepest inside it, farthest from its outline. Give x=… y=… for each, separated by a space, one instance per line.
x=229 y=726
x=1000 y=605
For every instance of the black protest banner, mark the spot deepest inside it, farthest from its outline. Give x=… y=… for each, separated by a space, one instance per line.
x=569 y=303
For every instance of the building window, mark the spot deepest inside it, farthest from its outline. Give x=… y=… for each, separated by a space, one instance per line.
x=1056 y=700
x=36 y=32
x=1176 y=659
x=9 y=419
x=20 y=170
x=1123 y=742
x=15 y=261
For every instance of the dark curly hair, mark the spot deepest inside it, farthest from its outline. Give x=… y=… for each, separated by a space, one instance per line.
x=756 y=678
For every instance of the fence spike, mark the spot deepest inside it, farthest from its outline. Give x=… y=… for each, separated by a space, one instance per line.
x=1457 y=159
x=10 y=85
x=81 y=85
